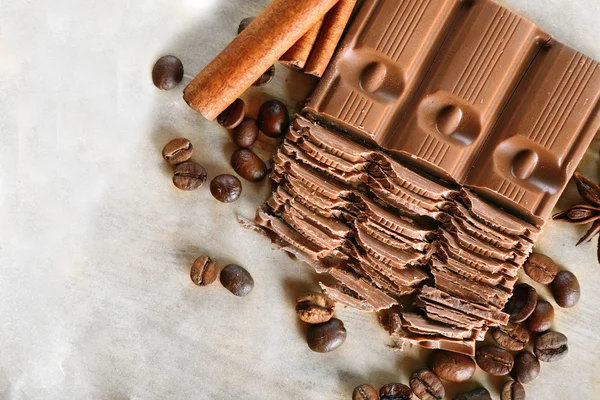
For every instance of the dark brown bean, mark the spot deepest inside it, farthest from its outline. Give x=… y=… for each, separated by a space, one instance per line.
x=453 y=367
x=315 y=308
x=522 y=303
x=565 y=289
x=248 y=165
x=266 y=77
x=540 y=268
x=551 y=346
x=426 y=385
x=189 y=176
x=494 y=360
x=395 y=391
x=237 y=280
x=512 y=391
x=233 y=115
x=167 y=72
x=327 y=336
x=365 y=392
x=246 y=133
x=226 y=188
x=542 y=317
x=475 y=394
x=273 y=118
x=526 y=368
x=513 y=336
x=244 y=24
x=177 y=151
x=204 y=271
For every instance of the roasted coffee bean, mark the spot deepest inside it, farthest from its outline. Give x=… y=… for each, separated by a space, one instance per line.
x=315 y=308
x=189 y=176
x=204 y=271
x=244 y=24
x=226 y=188
x=395 y=391
x=266 y=77
x=233 y=115
x=453 y=367
x=246 y=133
x=551 y=346
x=541 y=318
x=177 y=151
x=512 y=391
x=565 y=289
x=327 y=336
x=526 y=368
x=248 y=165
x=426 y=385
x=237 y=280
x=475 y=394
x=522 y=303
x=512 y=336
x=167 y=72
x=540 y=268
x=365 y=392
x=494 y=360
x=273 y=118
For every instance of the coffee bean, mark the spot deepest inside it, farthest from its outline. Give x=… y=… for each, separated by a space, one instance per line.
x=233 y=115
x=551 y=346
x=365 y=392
x=244 y=24
x=395 y=391
x=565 y=289
x=226 y=188
x=246 y=133
x=177 y=151
x=475 y=394
x=526 y=368
x=453 y=367
x=315 y=308
x=266 y=77
x=189 y=176
x=541 y=318
x=512 y=391
x=247 y=165
x=540 y=268
x=167 y=72
x=273 y=118
x=327 y=336
x=237 y=280
x=494 y=360
x=512 y=336
x=426 y=385
x=522 y=303
x=204 y=271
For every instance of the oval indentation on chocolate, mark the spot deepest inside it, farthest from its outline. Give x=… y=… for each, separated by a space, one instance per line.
x=373 y=76
x=448 y=120
x=524 y=163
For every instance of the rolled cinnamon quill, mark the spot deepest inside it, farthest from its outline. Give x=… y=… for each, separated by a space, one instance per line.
x=297 y=55
x=251 y=53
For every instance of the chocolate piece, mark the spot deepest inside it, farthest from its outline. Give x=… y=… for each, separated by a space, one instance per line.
x=416 y=323
x=346 y=296
x=373 y=296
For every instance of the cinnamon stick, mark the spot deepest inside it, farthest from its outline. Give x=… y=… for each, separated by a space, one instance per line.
x=251 y=53
x=297 y=55
x=329 y=37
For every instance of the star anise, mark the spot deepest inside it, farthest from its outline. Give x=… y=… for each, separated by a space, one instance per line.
x=585 y=213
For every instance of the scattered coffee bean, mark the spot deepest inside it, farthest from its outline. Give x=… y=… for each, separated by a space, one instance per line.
x=226 y=188
x=233 y=115
x=315 y=308
x=189 y=176
x=248 y=165
x=266 y=77
x=512 y=336
x=541 y=318
x=551 y=346
x=167 y=72
x=395 y=391
x=453 y=367
x=512 y=391
x=204 y=271
x=273 y=118
x=246 y=133
x=540 y=268
x=526 y=368
x=177 y=151
x=426 y=385
x=327 y=336
x=475 y=394
x=365 y=392
x=565 y=289
x=244 y=24
x=522 y=303
x=494 y=360
x=237 y=280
